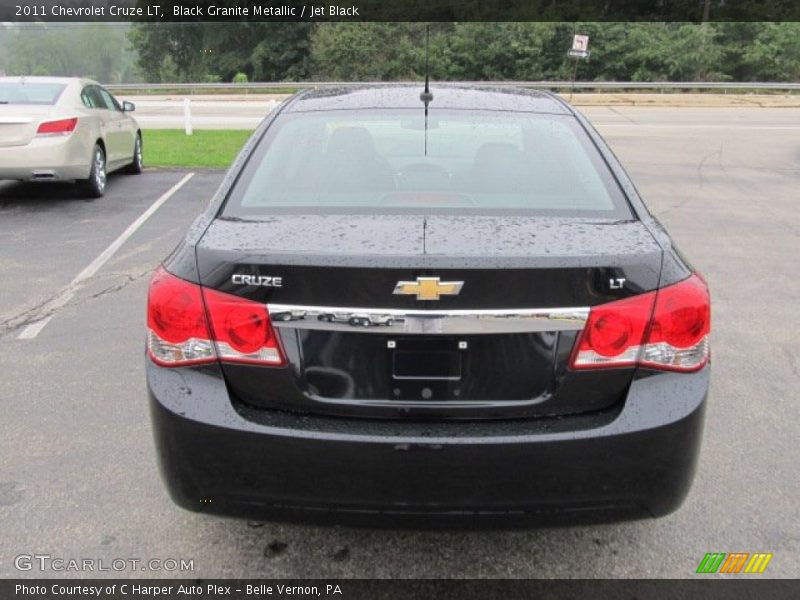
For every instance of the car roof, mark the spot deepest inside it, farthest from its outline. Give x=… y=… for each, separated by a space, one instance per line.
x=447 y=96
x=40 y=79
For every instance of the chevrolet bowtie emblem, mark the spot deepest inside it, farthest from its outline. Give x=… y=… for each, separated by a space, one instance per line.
x=428 y=288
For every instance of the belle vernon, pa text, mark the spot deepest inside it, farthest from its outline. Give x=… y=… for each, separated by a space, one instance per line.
x=135 y=589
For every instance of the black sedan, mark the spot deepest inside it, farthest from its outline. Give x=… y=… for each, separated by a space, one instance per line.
x=442 y=308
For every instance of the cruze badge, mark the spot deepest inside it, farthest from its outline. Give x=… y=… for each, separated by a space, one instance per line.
x=259 y=280
x=428 y=288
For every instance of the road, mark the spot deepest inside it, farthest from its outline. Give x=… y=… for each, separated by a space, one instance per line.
x=207 y=112
x=245 y=111
x=77 y=467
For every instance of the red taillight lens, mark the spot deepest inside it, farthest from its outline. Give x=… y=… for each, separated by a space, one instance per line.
x=610 y=334
x=60 y=127
x=178 y=333
x=678 y=336
x=667 y=329
x=188 y=324
x=242 y=329
x=614 y=332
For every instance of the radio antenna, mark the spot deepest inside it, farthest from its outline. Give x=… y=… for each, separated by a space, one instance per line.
x=426 y=96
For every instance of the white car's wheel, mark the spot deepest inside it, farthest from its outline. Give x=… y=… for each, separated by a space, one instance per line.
x=95 y=185
x=138 y=159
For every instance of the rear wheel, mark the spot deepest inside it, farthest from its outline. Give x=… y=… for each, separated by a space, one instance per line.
x=95 y=185
x=138 y=161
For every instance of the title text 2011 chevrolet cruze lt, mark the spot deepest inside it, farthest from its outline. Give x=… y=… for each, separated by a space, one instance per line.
x=438 y=310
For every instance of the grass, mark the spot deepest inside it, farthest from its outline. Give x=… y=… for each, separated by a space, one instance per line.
x=209 y=148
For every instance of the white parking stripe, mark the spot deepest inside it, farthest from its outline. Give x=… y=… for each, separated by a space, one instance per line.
x=65 y=295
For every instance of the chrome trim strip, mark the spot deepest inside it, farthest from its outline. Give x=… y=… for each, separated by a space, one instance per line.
x=401 y=321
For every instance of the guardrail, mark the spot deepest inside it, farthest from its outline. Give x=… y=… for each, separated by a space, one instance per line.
x=578 y=85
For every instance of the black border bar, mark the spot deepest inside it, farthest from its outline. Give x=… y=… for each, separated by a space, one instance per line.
x=702 y=586
x=188 y=11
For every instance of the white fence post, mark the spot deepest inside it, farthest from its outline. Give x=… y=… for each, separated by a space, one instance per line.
x=187 y=116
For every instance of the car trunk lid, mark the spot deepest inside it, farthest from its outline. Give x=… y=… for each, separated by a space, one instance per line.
x=18 y=123
x=499 y=347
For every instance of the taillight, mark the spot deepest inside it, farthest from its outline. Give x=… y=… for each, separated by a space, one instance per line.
x=191 y=325
x=178 y=333
x=666 y=329
x=678 y=335
x=614 y=332
x=60 y=127
x=242 y=330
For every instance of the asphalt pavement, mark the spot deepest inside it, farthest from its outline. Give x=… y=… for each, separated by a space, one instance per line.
x=77 y=466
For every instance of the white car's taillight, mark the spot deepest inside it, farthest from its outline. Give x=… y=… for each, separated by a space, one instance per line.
x=190 y=325
x=60 y=127
x=667 y=329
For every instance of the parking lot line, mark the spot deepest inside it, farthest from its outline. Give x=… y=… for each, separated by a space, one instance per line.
x=65 y=295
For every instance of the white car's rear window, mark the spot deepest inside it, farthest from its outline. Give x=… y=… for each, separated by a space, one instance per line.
x=30 y=93
x=465 y=161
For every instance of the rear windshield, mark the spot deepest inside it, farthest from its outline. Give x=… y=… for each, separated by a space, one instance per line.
x=30 y=93
x=459 y=161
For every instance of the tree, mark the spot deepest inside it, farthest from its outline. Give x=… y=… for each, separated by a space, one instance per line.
x=4 y=37
x=74 y=49
x=170 y=52
x=368 y=51
x=775 y=53
x=282 y=52
x=520 y=51
x=202 y=52
x=491 y=51
x=196 y=51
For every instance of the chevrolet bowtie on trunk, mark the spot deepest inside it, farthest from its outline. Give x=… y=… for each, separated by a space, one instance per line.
x=453 y=313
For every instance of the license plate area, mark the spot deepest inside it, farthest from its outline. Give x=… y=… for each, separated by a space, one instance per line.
x=360 y=367
x=428 y=359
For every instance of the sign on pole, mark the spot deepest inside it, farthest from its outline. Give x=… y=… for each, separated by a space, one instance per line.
x=580 y=46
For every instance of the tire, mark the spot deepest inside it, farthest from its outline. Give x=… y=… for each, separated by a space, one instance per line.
x=137 y=165
x=95 y=185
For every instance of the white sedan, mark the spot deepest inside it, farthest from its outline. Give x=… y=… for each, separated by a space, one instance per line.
x=55 y=129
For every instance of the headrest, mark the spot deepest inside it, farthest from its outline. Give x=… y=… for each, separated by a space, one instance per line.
x=351 y=141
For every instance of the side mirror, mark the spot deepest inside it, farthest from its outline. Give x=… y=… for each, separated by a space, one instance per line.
x=128 y=106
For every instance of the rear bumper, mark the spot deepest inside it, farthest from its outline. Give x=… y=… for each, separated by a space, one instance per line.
x=638 y=462
x=46 y=159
